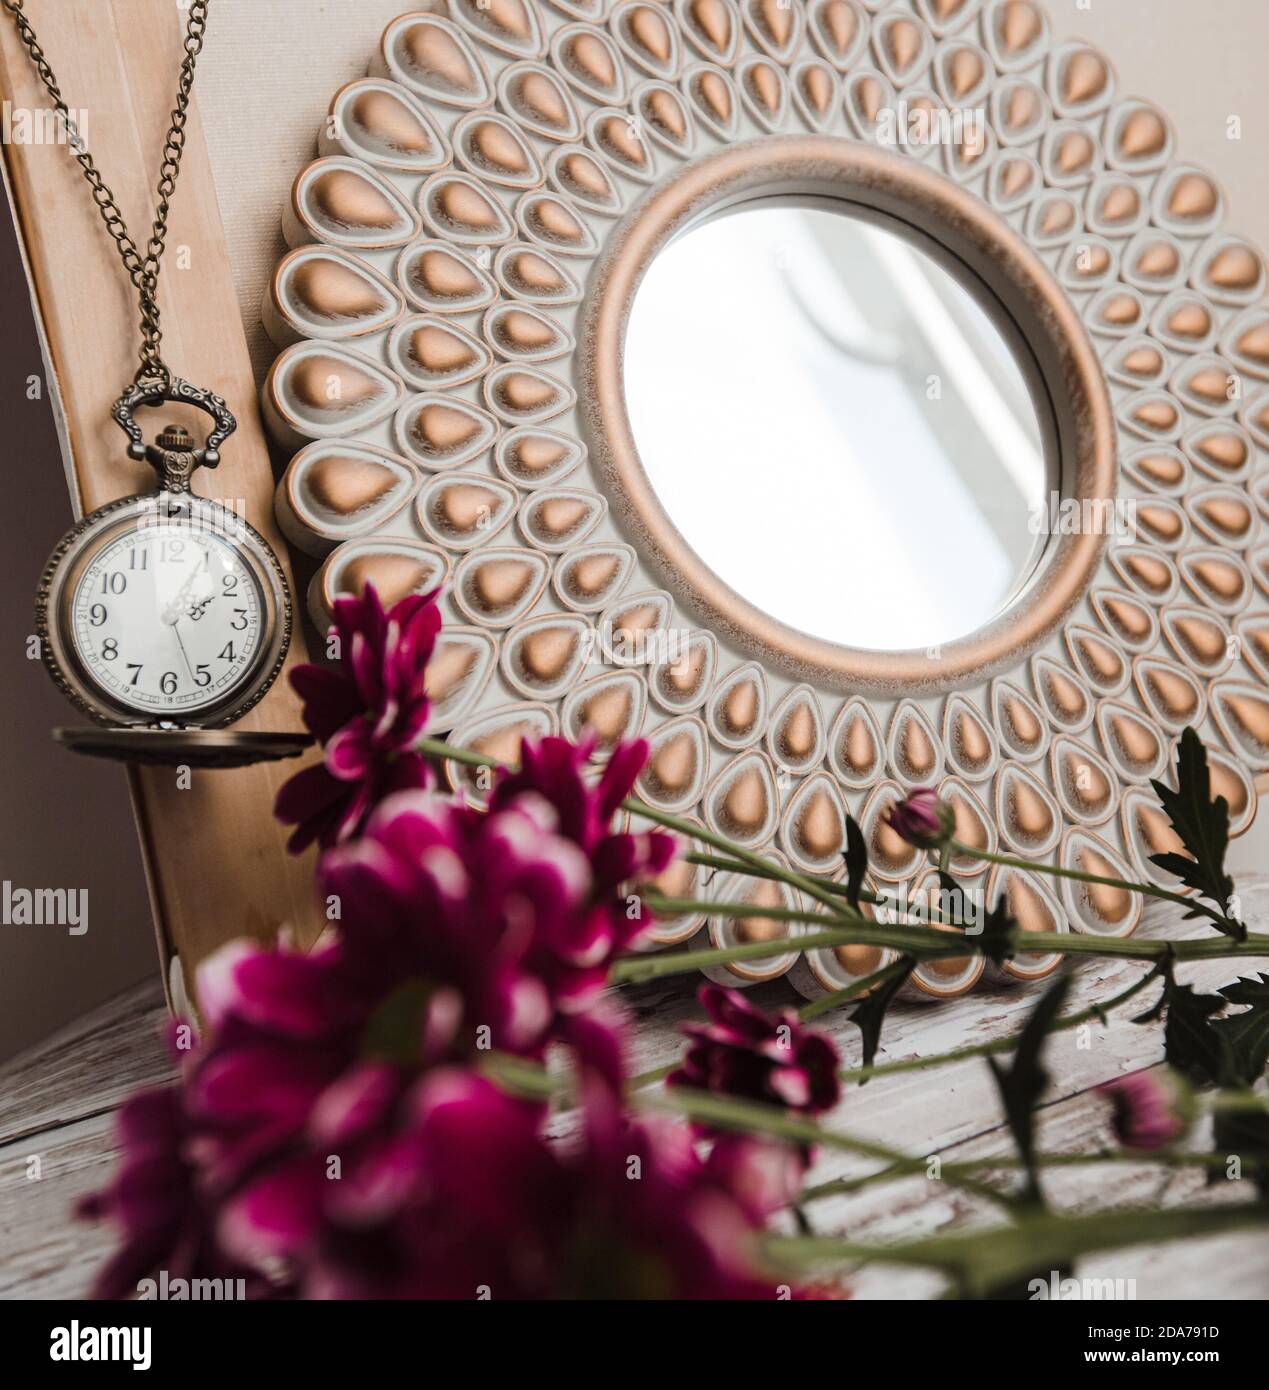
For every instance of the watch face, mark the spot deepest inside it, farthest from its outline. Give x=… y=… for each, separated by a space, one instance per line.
x=164 y=613
x=167 y=620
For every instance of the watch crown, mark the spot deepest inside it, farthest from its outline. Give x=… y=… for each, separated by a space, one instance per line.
x=177 y=438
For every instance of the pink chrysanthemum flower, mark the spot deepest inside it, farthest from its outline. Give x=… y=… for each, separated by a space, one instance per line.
x=771 y=1059
x=574 y=960
x=367 y=711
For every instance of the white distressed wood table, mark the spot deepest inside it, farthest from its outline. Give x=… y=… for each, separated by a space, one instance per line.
x=57 y=1104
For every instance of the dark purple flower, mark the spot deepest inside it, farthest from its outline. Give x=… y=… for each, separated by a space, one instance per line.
x=574 y=959
x=473 y=900
x=166 y=1219
x=468 y=1198
x=1146 y=1112
x=921 y=818
x=315 y=1148
x=773 y=1059
x=367 y=711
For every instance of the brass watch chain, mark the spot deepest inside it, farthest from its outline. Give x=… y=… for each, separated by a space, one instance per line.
x=142 y=270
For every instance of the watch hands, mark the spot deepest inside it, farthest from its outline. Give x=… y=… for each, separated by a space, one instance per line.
x=172 y=610
x=176 y=632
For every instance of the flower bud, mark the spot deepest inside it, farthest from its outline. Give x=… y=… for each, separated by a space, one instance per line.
x=922 y=819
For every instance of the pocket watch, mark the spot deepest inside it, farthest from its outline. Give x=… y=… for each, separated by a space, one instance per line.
x=165 y=616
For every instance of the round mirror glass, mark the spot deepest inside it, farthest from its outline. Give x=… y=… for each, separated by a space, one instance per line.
x=836 y=427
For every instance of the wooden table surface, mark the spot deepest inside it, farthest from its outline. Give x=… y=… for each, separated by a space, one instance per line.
x=57 y=1103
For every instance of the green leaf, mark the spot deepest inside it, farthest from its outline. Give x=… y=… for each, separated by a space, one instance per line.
x=1246 y=1034
x=1243 y=1134
x=1191 y=1043
x=999 y=939
x=1202 y=826
x=1022 y=1084
x=1156 y=1010
x=856 y=857
x=871 y=1014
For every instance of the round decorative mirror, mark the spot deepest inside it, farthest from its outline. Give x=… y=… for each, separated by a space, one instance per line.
x=836 y=426
x=834 y=392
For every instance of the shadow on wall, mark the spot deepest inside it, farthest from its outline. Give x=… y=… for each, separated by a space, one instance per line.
x=65 y=822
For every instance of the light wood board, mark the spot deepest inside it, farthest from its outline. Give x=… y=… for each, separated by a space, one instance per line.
x=57 y=1101
x=214 y=854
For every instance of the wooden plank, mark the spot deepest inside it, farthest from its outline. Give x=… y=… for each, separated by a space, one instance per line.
x=48 y=1253
x=55 y=1101
x=88 y=1068
x=214 y=854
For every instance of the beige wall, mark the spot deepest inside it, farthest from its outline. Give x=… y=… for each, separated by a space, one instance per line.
x=1202 y=62
x=68 y=823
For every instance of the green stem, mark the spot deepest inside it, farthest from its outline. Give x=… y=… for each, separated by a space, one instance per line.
x=690 y=831
x=750 y=1117
x=776 y=873
x=966 y=1168
x=842 y=996
x=918 y=941
x=981 y=1261
x=636 y=968
x=1012 y=861
x=857 y=929
x=1005 y=1044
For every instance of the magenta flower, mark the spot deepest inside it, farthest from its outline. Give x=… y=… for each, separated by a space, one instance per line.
x=315 y=1149
x=165 y=1222
x=308 y=1055
x=574 y=959
x=367 y=711
x=773 y=1059
x=437 y=891
x=921 y=818
x=467 y=1198
x=1146 y=1112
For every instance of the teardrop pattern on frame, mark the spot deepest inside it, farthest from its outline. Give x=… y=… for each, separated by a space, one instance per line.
x=1026 y=814
x=813 y=830
x=433 y=354
x=1035 y=907
x=675 y=769
x=497 y=735
x=347 y=203
x=680 y=680
x=323 y=292
x=742 y=931
x=608 y=708
x=737 y=710
x=1064 y=697
x=543 y=657
x=1097 y=909
x=457 y=674
x=432 y=59
x=475 y=176
x=795 y=737
x=384 y=124
x=968 y=740
x=495 y=586
x=462 y=511
x=396 y=568
x=891 y=858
